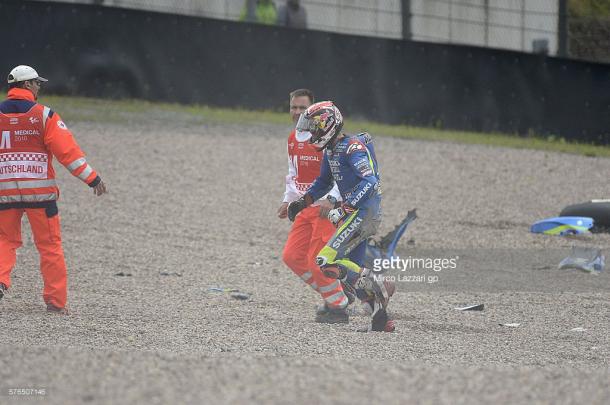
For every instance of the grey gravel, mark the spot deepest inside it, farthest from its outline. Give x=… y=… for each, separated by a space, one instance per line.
x=199 y=199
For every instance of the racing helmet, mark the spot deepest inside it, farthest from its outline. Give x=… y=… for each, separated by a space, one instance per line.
x=323 y=120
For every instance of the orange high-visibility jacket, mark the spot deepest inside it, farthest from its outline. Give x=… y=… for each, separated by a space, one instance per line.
x=30 y=135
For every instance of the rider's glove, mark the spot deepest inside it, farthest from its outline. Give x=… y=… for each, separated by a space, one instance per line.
x=339 y=214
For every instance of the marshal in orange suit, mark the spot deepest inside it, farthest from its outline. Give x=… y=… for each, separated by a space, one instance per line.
x=31 y=136
x=311 y=229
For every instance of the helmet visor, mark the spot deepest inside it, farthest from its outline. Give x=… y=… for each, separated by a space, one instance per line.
x=307 y=124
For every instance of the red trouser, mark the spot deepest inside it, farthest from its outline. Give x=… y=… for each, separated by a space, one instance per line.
x=307 y=237
x=47 y=237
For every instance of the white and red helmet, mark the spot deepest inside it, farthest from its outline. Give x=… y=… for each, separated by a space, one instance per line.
x=323 y=120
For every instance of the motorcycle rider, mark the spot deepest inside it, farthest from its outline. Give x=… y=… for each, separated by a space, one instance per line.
x=350 y=162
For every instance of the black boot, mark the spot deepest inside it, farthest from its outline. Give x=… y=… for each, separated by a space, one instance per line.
x=379 y=320
x=332 y=315
x=322 y=309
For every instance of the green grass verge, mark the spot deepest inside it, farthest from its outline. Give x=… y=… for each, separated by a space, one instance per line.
x=75 y=109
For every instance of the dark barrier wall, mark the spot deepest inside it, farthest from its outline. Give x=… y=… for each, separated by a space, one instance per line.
x=109 y=52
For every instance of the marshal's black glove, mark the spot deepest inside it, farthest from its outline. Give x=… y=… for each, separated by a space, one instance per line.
x=295 y=207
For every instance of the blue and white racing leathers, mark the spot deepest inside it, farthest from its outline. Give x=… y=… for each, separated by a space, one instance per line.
x=351 y=163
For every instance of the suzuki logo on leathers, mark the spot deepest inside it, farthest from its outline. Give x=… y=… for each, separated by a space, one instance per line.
x=347 y=232
x=361 y=193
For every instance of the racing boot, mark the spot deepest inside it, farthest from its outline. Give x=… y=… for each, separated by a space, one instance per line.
x=380 y=320
x=374 y=285
x=332 y=315
x=379 y=292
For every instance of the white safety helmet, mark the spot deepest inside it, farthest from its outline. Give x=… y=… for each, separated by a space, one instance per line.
x=22 y=73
